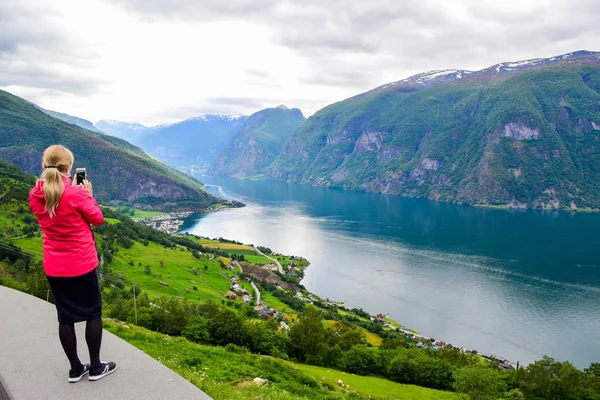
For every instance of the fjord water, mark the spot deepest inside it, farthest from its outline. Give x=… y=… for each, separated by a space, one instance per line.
x=517 y=284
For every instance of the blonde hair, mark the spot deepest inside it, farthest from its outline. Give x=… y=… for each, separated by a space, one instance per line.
x=56 y=161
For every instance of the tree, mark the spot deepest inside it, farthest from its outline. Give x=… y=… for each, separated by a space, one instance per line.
x=550 y=379
x=20 y=268
x=514 y=394
x=593 y=369
x=479 y=383
x=351 y=338
x=307 y=336
x=415 y=366
x=363 y=360
x=38 y=283
x=170 y=316
x=225 y=326
x=261 y=339
x=197 y=330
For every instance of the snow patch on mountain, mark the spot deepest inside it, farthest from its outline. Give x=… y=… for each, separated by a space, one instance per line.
x=431 y=78
x=121 y=124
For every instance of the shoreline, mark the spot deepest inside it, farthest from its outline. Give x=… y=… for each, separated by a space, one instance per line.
x=505 y=207
x=172 y=222
x=430 y=342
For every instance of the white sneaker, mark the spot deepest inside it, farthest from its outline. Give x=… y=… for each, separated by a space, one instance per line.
x=107 y=369
x=76 y=376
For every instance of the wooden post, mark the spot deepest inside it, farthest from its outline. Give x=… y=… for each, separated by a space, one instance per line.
x=134 y=302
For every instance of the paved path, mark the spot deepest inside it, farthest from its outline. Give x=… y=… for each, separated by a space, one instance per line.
x=257 y=293
x=272 y=259
x=34 y=367
x=238 y=265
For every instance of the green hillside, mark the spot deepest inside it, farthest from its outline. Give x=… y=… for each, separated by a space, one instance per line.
x=176 y=286
x=223 y=373
x=526 y=138
x=258 y=142
x=119 y=170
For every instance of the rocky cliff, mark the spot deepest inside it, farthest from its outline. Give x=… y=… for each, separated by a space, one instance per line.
x=520 y=134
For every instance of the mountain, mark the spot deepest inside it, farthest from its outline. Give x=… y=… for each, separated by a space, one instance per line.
x=119 y=170
x=83 y=123
x=258 y=142
x=519 y=134
x=129 y=131
x=195 y=141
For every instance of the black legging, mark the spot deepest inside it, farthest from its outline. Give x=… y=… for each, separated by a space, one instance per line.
x=93 y=337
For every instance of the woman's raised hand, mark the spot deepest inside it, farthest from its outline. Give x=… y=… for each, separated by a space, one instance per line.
x=87 y=186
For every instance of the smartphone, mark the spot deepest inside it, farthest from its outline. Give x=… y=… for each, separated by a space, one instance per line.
x=80 y=175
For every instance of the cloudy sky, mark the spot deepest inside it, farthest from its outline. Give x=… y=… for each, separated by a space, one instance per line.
x=155 y=61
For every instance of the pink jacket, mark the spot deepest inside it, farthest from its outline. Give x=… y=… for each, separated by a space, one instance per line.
x=69 y=246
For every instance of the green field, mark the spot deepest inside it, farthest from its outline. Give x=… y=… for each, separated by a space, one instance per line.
x=248 y=252
x=147 y=214
x=176 y=270
x=31 y=245
x=375 y=387
x=223 y=374
x=137 y=213
x=174 y=267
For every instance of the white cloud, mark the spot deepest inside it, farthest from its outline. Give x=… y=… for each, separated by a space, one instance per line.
x=154 y=61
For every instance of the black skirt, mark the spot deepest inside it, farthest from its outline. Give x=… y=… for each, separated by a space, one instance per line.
x=76 y=298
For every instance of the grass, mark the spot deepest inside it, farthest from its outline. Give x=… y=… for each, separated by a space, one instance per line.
x=176 y=270
x=257 y=259
x=237 y=248
x=346 y=313
x=32 y=245
x=370 y=337
x=139 y=213
x=147 y=214
x=375 y=387
x=274 y=302
x=248 y=252
x=222 y=374
x=10 y=218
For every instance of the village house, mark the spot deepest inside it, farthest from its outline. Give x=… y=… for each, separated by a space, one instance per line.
x=231 y=296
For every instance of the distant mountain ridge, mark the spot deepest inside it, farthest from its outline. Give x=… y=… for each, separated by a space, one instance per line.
x=129 y=131
x=83 y=123
x=119 y=170
x=497 y=71
x=518 y=134
x=258 y=142
x=194 y=141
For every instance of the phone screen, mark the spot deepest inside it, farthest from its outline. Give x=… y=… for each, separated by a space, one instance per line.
x=80 y=175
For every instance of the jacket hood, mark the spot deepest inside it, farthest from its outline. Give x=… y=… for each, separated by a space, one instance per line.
x=38 y=189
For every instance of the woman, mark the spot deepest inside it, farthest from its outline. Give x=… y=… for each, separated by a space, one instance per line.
x=65 y=212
